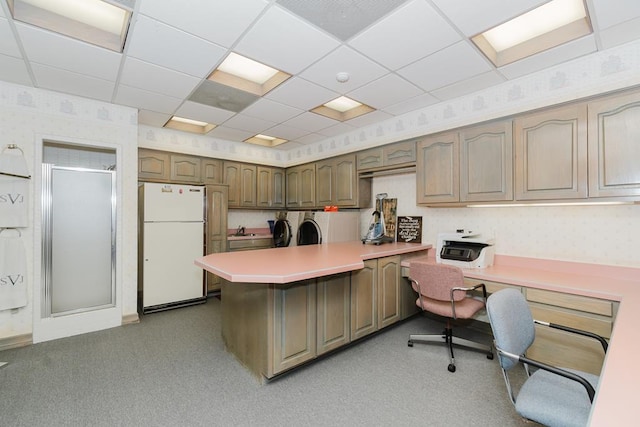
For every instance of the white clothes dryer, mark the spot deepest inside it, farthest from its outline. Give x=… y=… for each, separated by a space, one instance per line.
x=285 y=228
x=325 y=227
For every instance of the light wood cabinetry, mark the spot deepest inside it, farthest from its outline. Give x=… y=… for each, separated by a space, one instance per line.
x=232 y=177
x=241 y=179
x=614 y=169
x=211 y=171
x=563 y=348
x=551 y=154
x=293 y=325
x=337 y=182
x=389 y=281
x=216 y=240
x=486 y=165
x=301 y=186
x=270 y=187
x=333 y=312
x=437 y=169
x=364 y=301
x=185 y=169
x=387 y=156
x=153 y=165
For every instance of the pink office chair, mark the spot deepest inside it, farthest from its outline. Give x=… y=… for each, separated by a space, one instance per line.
x=441 y=291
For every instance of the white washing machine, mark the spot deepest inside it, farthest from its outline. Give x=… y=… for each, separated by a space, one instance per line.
x=285 y=228
x=326 y=227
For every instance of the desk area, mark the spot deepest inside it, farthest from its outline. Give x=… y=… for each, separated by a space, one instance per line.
x=616 y=395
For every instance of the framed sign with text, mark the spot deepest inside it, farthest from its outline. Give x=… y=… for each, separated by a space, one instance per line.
x=409 y=229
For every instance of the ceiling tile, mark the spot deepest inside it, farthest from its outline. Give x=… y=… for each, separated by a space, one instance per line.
x=73 y=83
x=283 y=41
x=286 y=132
x=289 y=93
x=412 y=104
x=473 y=17
x=205 y=113
x=169 y=47
x=54 y=50
x=342 y=18
x=14 y=70
x=470 y=85
x=221 y=22
x=152 y=118
x=230 y=134
x=613 y=12
x=560 y=54
x=344 y=59
x=406 y=36
x=271 y=110
x=311 y=121
x=369 y=119
x=143 y=99
x=221 y=96
x=337 y=129
x=445 y=67
x=249 y=124
x=8 y=45
x=311 y=138
x=154 y=78
x=621 y=33
x=385 y=91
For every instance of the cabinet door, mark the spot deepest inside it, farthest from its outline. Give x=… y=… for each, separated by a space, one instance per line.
x=308 y=186
x=232 y=178
x=277 y=188
x=370 y=159
x=551 y=154
x=437 y=169
x=211 y=171
x=614 y=169
x=333 y=308
x=364 y=302
x=185 y=168
x=399 y=153
x=216 y=227
x=264 y=187
x=153 y=165
x=346 y=181
x=389 y=277
x=486 y=164
x=294 y=325
x=325 y=183
x=248 y=191
x=293 y=187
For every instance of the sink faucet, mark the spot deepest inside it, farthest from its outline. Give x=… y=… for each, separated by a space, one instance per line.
x=240 y=230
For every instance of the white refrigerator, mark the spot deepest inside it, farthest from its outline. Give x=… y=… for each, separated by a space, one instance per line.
x=172 y=237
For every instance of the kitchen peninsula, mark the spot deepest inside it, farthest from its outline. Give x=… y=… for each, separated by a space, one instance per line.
x=283 y=307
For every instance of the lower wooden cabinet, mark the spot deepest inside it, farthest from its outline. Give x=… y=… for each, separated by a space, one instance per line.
x=333 y=312
x=389 y=280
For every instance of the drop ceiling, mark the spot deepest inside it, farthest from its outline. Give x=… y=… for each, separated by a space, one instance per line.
x=401 y=55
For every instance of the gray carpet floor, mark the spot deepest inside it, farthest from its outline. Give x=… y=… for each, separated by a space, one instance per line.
x=171 y=369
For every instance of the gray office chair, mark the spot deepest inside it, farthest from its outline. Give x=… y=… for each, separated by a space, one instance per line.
x=441 y=291
x=550 y=396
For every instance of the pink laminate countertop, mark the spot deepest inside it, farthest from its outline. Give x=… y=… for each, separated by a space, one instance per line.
x=617 y=393
x=294 y=263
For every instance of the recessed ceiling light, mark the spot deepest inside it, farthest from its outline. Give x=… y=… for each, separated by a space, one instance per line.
x=189 y=125
x=248 y=75
x=265 y=140
x=342 y=109
x=97 y=22
x=550 y=25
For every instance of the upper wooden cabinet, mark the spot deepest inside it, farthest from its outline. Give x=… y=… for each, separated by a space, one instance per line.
x=551 y=154
x=242 y=181
x=185 y=169
x=270 y=187
x=211 y=171
x=153 y=165
x=232 y=177
x=437 y=169
x=614 y=146
x=337 y=181
x=388 y=156
x=486 y=165
x=301 y=186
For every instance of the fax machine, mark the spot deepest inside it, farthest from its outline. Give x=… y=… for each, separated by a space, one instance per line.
x=465 y=249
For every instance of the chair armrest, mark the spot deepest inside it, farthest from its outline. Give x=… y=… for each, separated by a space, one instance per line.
x=558 y=371
x=467 y=289
x=603 y=342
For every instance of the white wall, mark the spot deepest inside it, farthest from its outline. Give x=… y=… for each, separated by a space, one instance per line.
x=27 y=117
x=592 y=234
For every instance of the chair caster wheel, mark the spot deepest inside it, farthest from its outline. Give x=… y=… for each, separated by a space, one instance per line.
x=490 y=356
x=410 y=343
x=451 y=367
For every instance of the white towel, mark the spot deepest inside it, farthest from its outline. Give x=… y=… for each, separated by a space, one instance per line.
x=14 y=200
x=13 y=270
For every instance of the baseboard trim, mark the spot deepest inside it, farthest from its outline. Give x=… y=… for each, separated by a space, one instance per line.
x=130 y=319
x=16 y=341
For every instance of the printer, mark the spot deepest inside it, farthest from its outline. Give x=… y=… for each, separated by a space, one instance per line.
x=465 y=249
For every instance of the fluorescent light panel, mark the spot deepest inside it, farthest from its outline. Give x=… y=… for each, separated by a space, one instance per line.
x=342 y=109
x=248 y=75
x=550 y=25
x=189 y=125
x=265 y=140
x=93 y=21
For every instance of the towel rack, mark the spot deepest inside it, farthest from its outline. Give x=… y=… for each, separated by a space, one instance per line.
x=14 y=147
